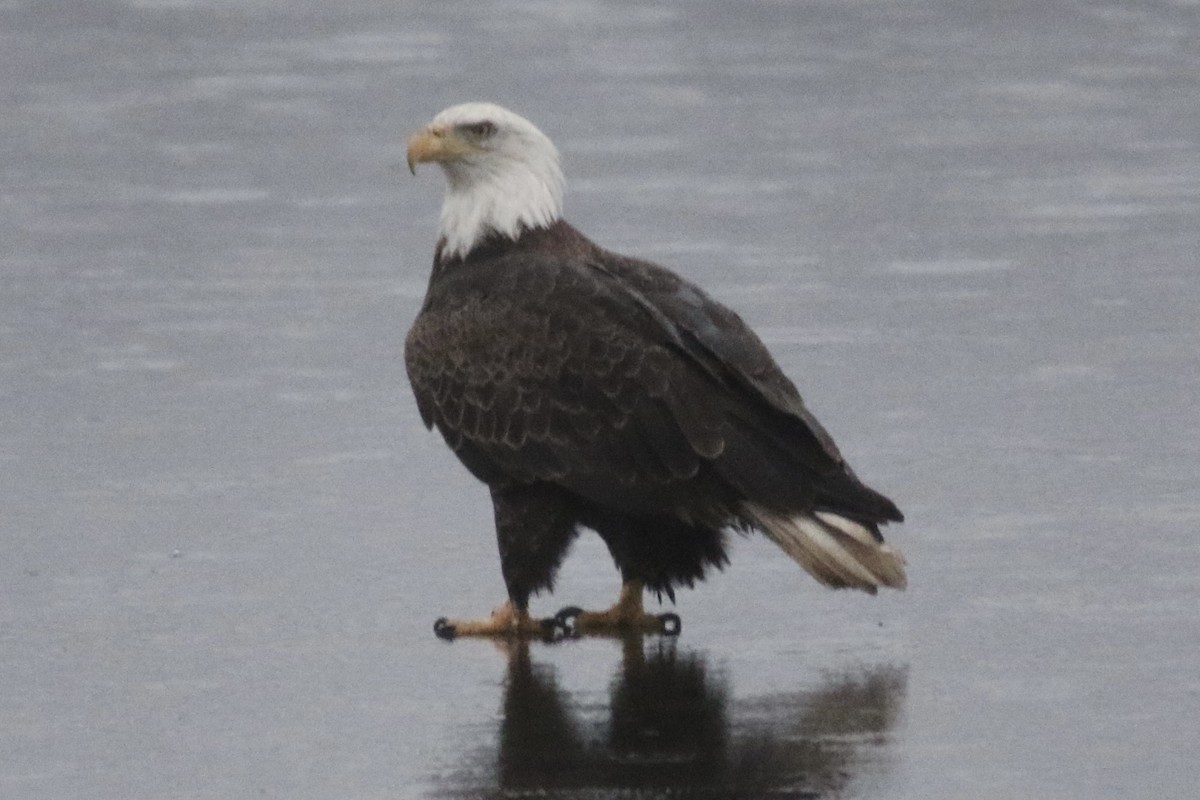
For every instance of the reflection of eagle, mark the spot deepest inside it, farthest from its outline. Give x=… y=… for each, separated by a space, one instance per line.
x=672 y=726
x=590 y=389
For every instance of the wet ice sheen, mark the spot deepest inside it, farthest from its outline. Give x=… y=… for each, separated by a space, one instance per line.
x=666 y=720
x=970 y=237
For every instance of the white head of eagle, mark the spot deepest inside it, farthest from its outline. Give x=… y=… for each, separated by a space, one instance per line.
x=503 y=174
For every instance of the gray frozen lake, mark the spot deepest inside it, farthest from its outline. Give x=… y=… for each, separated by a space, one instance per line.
x=970 y=232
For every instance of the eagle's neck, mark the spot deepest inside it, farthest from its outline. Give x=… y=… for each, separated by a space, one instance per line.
x=498 y=197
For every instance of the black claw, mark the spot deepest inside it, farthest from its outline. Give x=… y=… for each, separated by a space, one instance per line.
x=552 y=629
x=564 y=622
x=444 y=630
x=566 y=616
x=671 y=623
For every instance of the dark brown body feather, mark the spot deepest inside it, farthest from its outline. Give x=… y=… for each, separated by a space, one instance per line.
x=586 y=388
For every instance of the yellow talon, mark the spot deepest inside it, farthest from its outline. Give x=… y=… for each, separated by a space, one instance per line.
x=505 y=620
x=627 y=615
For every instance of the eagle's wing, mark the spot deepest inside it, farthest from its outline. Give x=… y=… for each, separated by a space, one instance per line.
x=767 y=423
x=619 y=381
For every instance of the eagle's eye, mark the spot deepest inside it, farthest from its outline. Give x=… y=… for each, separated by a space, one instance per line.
x=480 y=130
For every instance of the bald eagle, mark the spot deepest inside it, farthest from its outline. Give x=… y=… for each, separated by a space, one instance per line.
x=591 y=390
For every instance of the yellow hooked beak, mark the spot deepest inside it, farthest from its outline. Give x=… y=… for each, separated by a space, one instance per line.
x=436 y=143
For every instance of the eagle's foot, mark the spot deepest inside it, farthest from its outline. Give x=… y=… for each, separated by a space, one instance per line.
x=574 y=621
x=505 y=620
x=627 y=615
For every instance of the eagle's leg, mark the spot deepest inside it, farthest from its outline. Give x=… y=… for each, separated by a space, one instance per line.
x=627 y=615
x=534 y=526
x=506 y=620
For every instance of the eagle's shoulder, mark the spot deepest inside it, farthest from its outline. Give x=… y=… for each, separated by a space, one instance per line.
x=717 y=337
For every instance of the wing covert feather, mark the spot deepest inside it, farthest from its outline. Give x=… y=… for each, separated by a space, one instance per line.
x=557 y=378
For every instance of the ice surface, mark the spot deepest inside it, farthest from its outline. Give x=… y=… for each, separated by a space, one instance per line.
x=969 y=232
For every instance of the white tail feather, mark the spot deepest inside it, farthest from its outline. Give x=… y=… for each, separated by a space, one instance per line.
x=837 y=551
x=848 y=526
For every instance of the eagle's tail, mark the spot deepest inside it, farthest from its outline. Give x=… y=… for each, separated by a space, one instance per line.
x=837 y=551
